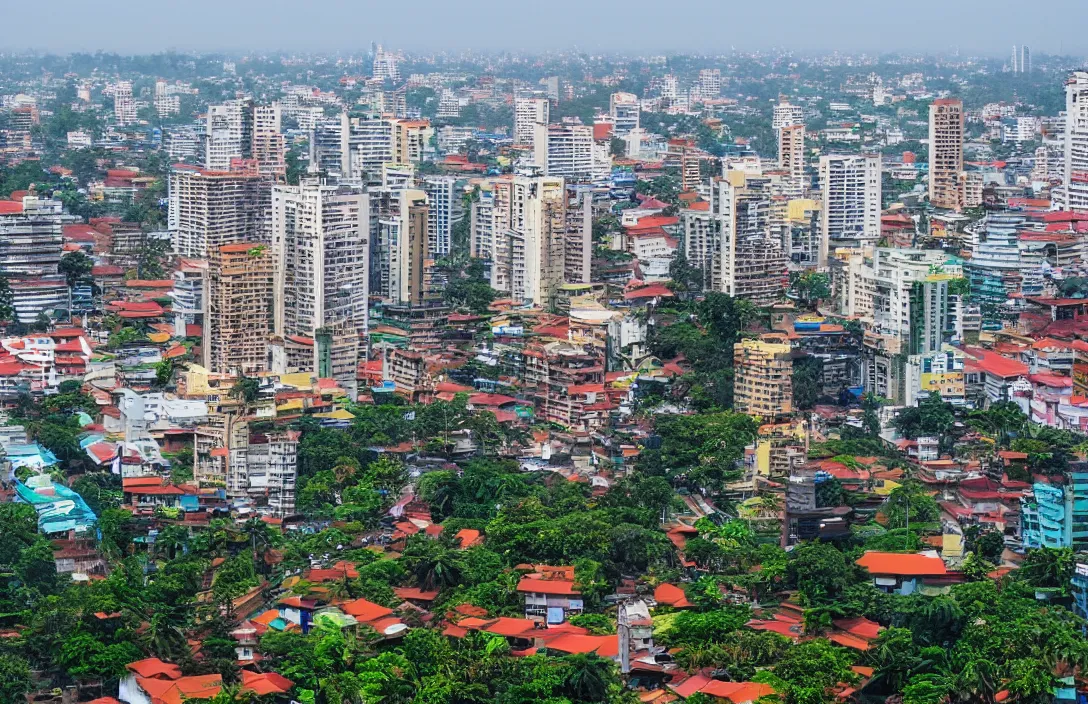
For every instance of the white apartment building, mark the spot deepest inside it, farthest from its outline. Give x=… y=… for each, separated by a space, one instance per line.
x=710 y=82
x=702 y=242
x=228 y=134
x=269 y=147
x=529 y=112
x=752 y=256
x=385 y=66
x=166 y=102
x=791 y=156
x=850 y=215
x=530 y=238
x=482 y=227
x=786 y=115
x=401 y=247
x=1075 y=176
x=320 y=245
x=624 y=109
x=569 y=151
x=208 y=209
x=124 y=109
x=442 y=201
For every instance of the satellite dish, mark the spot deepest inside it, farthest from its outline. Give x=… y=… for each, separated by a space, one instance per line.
x=395 y=629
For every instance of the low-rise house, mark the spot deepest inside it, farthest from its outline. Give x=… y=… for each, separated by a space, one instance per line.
x=904 y=573
x=550 y=598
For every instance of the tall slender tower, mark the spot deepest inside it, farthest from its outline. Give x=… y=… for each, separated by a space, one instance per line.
x=1075 y=177
x=945 y=152
x=320 y=238
x=1015 y=59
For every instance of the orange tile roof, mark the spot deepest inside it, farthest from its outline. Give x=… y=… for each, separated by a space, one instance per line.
x=505 y=626
x=414 y=593
x=181 y=690
x=467 y=538
x=153 y=667
x=556 y=587
x=849 y=641
x=671 y=595
x=902 y=564
x=364 y=610
x=604 y=646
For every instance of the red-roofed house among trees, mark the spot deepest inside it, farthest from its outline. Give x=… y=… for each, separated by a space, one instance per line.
x=905 y=573
x=550 y=598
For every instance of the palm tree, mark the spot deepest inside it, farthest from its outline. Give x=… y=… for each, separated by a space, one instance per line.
x=441 y=570
x=587 y=678
x=163 y=639
x=170 y=540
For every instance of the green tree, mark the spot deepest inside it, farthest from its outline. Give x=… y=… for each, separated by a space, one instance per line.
x=820 y=571
x=7 y=300
x=76 y=268
x=15 y=678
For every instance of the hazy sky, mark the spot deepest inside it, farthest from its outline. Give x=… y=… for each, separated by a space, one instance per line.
x=131 y=26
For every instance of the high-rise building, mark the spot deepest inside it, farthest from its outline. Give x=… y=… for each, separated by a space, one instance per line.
x=268 y=146
x=945 y=153
x=551 y=87
x=702 y=241
x=805 y=231
x=229 y=134
x=528 y=113
x=124 y=109
x=239 y=297
x=448 y=104
x=166 y=103
x=710 y=82
x=569 y=151
x=357 y=147
x=763 y=373
x=791 y=156
x=1025 y=59
x=1075 y=178
x=787 y=114
x=208 y=209
x=578 y=257
x=399 y=253
x=529 y=255
x=752 y=259
x=482 y=227
x=320 y=245
x=441 y=202
x=411 y=139
x=850 y=215
x=31 y=241
x=691 y=174
x=385 y=66
x=1015 y=60
x=624 y=109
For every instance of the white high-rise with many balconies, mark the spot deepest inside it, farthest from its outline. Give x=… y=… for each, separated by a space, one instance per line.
x=528 y=113
x=1075 y=177
x=850 y=215
x=320 y=245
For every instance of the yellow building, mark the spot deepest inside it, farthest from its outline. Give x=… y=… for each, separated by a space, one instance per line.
x=763 y=371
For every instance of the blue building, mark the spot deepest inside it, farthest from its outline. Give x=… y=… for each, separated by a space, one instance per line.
x=1055 y=515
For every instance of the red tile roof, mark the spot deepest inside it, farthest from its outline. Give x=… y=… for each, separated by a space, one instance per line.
x=416 y=594
x=993 y=363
